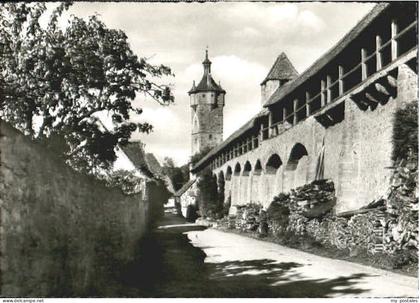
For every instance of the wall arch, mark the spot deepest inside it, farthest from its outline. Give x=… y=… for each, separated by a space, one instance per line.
x=297 y=167
x=237 y=170
x=257 y=168
x=228 y=173
x=273 y=164
x=269 y=186
x=247 y=169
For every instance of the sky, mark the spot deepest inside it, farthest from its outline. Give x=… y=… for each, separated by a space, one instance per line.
x=243 y=39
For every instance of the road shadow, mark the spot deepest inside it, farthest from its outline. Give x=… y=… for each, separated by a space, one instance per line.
x=270 y=279
x=167 y=265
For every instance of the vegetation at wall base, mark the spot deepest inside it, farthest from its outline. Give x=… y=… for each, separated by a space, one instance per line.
x=387 y=240
x=211 y=193
x=405 y=134
x=178 y=175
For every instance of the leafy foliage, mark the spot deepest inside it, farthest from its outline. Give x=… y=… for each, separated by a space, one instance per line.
x=210 y=198
x=56 y=81
x=127 y=181
x=178 y=175
x=198 y=156
x=208 y=195
x=405 y=135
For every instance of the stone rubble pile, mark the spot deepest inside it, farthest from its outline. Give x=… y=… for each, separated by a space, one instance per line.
x=310 y=201
x=402 y=208
x=388 y=225
x=313 y=200
x=247 y=217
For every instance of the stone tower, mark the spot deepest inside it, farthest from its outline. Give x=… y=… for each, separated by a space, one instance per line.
x=206 y=100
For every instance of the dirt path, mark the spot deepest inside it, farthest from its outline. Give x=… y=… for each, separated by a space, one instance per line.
x=284 y=272
x=188 y=261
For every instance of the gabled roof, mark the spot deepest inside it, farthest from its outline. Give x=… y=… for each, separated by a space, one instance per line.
x=154 y=165
x=282 y=69
x=135 y=153
x=184 y=188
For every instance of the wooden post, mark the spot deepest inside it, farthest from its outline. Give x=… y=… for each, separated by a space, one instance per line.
x=322 y=93
x=363 y=61
x=328 y=89
x=378 y=53
x=394 y=42
x=295 y=114
x=340 y=80
x=261 y=132
x=252 y=142
x=270 y=122
x=308 y=106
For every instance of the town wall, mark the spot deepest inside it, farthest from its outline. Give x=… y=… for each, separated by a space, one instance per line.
x=62 y=233
x=357 y=156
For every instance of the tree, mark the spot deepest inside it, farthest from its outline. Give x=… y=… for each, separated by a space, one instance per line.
x=127 y=181
x=198 y=156
x=55 y=82
x=209 y=197
x=178 y=175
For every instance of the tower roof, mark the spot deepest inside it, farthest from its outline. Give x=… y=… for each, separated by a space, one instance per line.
x=207 y=83
x=282 y=69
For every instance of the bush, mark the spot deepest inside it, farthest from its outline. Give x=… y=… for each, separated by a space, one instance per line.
x=278 y=216
x=405 y=136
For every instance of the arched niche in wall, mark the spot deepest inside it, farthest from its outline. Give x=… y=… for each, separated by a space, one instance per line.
x=237 y=170
x=273 y=164
x=297 y=166
x=228 y=173
x=257 y=168
x=247 y=169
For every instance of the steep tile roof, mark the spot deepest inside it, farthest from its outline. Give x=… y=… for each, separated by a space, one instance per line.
x=207 y=83
x=282 y=69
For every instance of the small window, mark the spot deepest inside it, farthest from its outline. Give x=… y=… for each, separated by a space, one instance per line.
x=210 y=136
x=203 y=95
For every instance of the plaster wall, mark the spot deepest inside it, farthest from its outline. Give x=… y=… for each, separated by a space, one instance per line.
x=62 y=233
